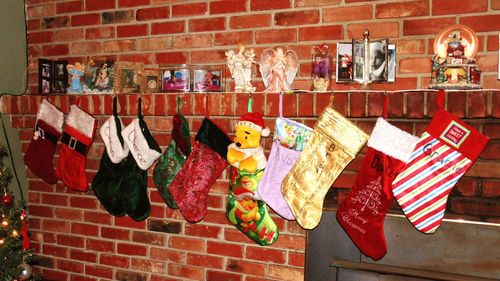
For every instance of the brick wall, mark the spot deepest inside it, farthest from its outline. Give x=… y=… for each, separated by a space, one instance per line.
x=79 y=240
x=199 y=32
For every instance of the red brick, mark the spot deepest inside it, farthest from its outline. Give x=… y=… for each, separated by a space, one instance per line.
x=207 y=24
x=93 y=5
x=99 y=271
x=193 y=41
x=474 y=206
x=69 y=7
x=314 y=3
x=99 y=32
x=495 y=4
x=449 y=7
x=250 y=21
x=68 y=214
x=415 y=65
x=375 y=104
x=172 y=58
x=166 y=255
x=492 y=42
x=233 y=38
x=402 y=10
x=343 y=14
x=117 y=17
x=296 y=259
x=426 y=26
x=56 y=251
x=285 y=273
x=377 y=29
x=50 y=274
x=492 y=130
x=296 y=18
x=114 y=260
x=259 y=5
x=147 y=266
x=204 y=261
x=213 y=56
x=328 y=32
x=55 y=22
x=83 y=202
x=477 y=104
x=85 y=19
x=100 y=245
x=55 y=50
x=222 y=275
x=265 y=255
x=185 y=271
x=415 y=104
x=456 y=103
x=357 y=104
x=224 y=249
x=40 y=37
x=275 y=36
x=132 y=30
x=153 y=13
x=41 y=11
x=69 y=240
x=189 y=9
x=85 y=229
x=119 y=45
x=466 y=187
x=245 y=267
x=187 y=244
x=67 y=35
x=80 y=255
x=133 y=3
x=114 y=233
x=202 y=230
x=495 y=105
x=227 y=6
x=32 y=25
x=42 y=211
x=97 y=217
x=491 y=189
x=168 y=27
x=492 y=151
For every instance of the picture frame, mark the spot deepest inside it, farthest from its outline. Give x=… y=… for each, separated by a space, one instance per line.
x=153 y=81
x=344 y=65
x=99 y=76
x=377 y=57
x=45 y=76
x=391 y=68
x=129 y=77
x=208 y=78
x=60 y=75
x=498 y=56
x=359 y=61
x=175 y=78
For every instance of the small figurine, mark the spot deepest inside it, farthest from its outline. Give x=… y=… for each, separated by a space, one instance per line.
x=76 y=71
x=240 y=65
x=278 y=69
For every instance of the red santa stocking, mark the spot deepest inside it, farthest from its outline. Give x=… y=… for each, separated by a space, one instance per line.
x=78 y=135
x=362 y=213
x=444 y=153
x=40 y=154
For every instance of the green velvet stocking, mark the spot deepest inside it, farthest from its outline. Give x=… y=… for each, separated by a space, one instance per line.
x=168 y=166
x=134 y=190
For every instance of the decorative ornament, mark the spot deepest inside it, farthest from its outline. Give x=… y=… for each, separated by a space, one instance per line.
x=453 y=63
x=15 y=234
x=2 y=241
x=321 y=68
x=7 y=199
x=5 y=221
x=26 y=271
x=278 y=69
x=240 y=65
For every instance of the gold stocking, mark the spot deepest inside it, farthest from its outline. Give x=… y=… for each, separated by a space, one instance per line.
x=334 y=143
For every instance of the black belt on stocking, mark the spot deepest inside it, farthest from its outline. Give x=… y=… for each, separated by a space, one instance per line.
x=74 y=144
x=46 y=135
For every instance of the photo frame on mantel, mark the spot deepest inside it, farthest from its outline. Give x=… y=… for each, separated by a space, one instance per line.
x=129 y=77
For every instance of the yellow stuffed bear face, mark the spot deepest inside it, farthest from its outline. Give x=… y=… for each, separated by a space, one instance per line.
x=246 y=137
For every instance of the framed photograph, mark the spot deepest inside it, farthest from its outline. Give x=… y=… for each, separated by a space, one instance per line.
x=208 y=79
x=344 y=63
x=378 y=61
x=498 y=56
x=152 y=77
x=129 y=77
x=359 y=60
x=99 y=76
x=391 y=71
x=175 y=78
x=60 y=76
x=45 y=76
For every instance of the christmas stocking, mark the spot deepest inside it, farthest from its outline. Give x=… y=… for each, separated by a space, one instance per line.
x=174 y=157
x=78 y=135
x=362 y=213
x=334 y=143
x=40 y=154
x=445 y=152
x=204 y=165
x=144 y=151
x=245 y=209
x=108 y=180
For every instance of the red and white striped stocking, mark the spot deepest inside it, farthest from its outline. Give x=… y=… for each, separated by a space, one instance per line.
x=445 y=152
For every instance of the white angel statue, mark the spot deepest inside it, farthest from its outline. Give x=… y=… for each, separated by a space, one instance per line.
x=240 y=65
x=278 y=69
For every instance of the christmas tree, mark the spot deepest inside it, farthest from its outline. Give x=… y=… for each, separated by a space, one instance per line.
x=15 y=252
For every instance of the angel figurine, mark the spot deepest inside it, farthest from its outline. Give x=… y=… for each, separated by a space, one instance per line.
x=278 y=69
x=240 y=65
